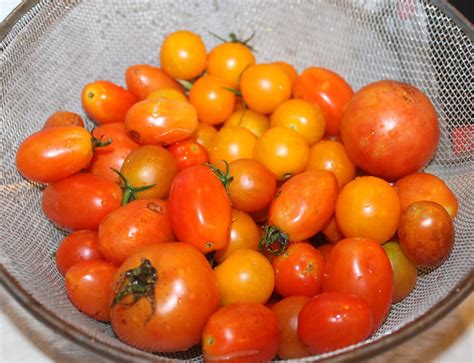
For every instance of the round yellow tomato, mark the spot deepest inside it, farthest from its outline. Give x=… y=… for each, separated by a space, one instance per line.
x=167 y=94
x=232 y=143
x=253 y=121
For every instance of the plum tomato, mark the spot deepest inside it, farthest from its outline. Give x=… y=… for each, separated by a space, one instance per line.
x=289 y=70
x=143 y=79
x=331 y=231
x=232 y=143
x=204 y=134
x=168 y=94
x=64 y=118
x=188 y=153
x=253 y=121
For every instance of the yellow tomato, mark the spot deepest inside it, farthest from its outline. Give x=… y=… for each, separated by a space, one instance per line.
x=253 y=121
x=289 y=70
x=168 y=94
x=204 y=134
x=232 y=143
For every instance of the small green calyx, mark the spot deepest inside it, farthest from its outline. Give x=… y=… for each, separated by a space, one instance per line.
x=234 y=39
x=129 y=191
x=273 y=240
x=224 y=177
x=99 y=142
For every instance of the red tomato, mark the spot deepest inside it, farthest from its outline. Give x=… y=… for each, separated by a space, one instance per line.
x=390 y=129
x=80 y=201
x=199 y=208
x=361 y=267
x=76 y=247
x=327 y=90
x=332 y=320
x=143 y=79
x=188 y=153
x=462 y=140
x=326 y=249
x=64 y=118
x=241 y=333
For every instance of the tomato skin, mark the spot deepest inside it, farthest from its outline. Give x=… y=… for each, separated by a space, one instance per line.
x=63 y=118
x=80 y=201
x=54 y=153
x=304 y=204
x=167 y=93
x=327 y=90
x=188 y=153
x=241 y=333
x=298 y=271
x=331 y=231
x=253 y=121
x=89 y=287
x=185 y=297
x=132 y=226
x=204 y=134
x=289 y=70
x=361 y=267
x=390 y=129
x=332 y=320
x=76 y=247
x=199 y=208
x=143 y=79
x=232 y=143
x=105 y=102
x=326 y=249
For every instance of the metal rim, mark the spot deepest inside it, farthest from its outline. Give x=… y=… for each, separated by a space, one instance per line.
x=39 y=312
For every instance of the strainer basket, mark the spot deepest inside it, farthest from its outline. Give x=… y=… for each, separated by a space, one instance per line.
x=50 y=49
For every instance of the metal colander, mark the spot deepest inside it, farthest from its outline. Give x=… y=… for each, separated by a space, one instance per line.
x=50 y=49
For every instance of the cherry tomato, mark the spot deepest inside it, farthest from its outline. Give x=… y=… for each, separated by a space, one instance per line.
x=54 y=153
x=175 y=296
x=298 y=271
x=361 y=267
x=161 y=122
x=232 y=143
x=426 y=233
x=390 y=129
x=204 y=134
x=283 y=151
x=80 y=201
x=333 y=320
x=255 y=122
x=462 y=140
x=183 y=55
x=331 y=231
x=76 y=247
x=423 y=186
x=188 y=153
x=132 y=226
x=199 y=208
x=289 y=70
x=260 y=216
x=326 y=249
x=301 y=116
x=89 y=287
x=168 y=94
x=241 y=333
x=327 y=90
x=245 y=276
x=143 y=79
x=64 y=118
x=229 y=60
x=105 y=102
x=213 y=102
x=264 y=87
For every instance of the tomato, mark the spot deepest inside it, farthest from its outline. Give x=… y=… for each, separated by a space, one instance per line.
x=241 y=333
x=204 y=134
x=333 y=320
x=368 y=207
x=301 y=116
x=232 y=143
x=76 y=247
x=283 y=151
x=331 y=231
x=213 y=102
x=229 y=60
x=264 y=87
x=161 y=122
x=390 y=129
x=64 y=118
x=327 y=90
x=326 y=249
x=245 y=276
x=289 y=70
x=199 y=208
x=253 y=121
x=426 y=233
x=89 y=287
x=244 y=233
x=188 y=153
x=253 y=186
x=143 y=79
x=286 y=311
x=330 y=155
x=423 y=186
x=132 y=226
x=260 y=216
x=168 y=94
x=361 y=267
x=462 y=140
x=404 y=271
x=105 y=102
x=183 y=55
x=54 y=153
x=150 y=165
x=174 y=295
x=80 y=201
x=299 y=270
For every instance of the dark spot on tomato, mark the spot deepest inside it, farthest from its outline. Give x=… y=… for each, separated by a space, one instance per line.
x=90 y=94
x=134 y=134
x=155 y=207
x=124 y=322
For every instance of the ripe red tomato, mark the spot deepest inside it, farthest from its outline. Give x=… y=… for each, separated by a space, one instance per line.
x=390 y=129
x=174 y=295
x=143 y=79
x=76 y=247
x=327 y=90
x=326 y=249
x=241 y=333
x=80 y=201
x=64 y=118
x=361 y=267
x=199 y=208
x=333 y=320
x=188 y=153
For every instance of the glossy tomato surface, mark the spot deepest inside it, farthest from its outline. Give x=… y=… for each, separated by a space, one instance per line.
x=188 y=153
x=232 y=143
x=255 y=122
x=143 y=79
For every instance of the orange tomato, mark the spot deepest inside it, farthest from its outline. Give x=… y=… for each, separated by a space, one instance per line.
x=289 y=70
x=166 y=93
x=63 y=118
x=331 y=231
x=204 y=134
x=253 y=121
x=232 y=143
x=143 y=79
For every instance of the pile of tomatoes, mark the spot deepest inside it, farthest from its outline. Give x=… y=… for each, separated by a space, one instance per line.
x=242 y=206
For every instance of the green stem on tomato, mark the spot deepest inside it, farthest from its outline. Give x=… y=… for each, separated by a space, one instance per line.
x=225 y=178
x=273 y=240
x=129 y=191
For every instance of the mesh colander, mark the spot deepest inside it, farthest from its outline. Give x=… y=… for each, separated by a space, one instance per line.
x=50 y=49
